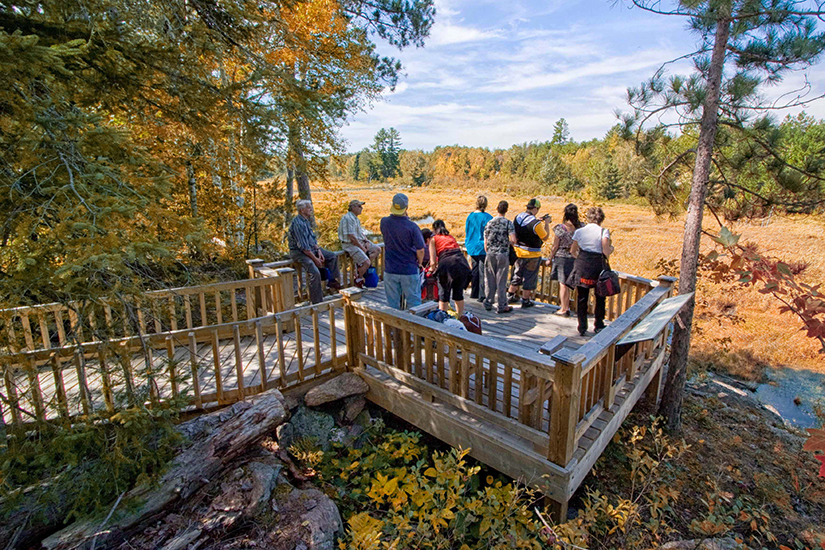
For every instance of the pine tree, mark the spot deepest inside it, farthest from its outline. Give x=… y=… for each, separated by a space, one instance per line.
x=762 y=39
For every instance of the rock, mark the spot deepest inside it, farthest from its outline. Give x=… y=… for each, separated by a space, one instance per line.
x=353 y=406
x=315 y=425
x=725 y=543
x=286 y=435
x=339 y=387
x=308 y=519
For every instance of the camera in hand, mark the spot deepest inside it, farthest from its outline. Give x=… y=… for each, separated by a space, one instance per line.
x=546 y=217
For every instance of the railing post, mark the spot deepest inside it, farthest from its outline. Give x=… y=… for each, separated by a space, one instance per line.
x=667 y=281
x=564 y=414
x=286 y=281
x=354 y=328
x=253 y=264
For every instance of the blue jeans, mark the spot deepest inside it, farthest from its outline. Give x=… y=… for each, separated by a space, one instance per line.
x=407 y=285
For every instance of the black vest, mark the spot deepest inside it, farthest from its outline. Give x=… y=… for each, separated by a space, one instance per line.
x=526 y=234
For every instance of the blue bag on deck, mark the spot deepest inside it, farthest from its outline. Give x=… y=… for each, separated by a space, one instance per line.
x=371 y=278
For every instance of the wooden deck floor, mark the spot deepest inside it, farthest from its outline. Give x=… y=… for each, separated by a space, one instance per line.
x=208 y=378
x=531 y=327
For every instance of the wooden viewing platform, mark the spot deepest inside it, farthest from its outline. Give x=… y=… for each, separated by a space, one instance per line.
x=529 y=397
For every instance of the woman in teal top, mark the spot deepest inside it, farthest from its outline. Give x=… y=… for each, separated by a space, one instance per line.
x=474 y=243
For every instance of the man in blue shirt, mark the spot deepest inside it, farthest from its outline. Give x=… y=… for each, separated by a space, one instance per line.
x=474 y=243
x=403 y=253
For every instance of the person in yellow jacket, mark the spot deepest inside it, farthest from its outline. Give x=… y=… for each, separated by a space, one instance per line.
x=531 y=232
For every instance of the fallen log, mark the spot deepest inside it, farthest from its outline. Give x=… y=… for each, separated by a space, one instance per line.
x=216 y=439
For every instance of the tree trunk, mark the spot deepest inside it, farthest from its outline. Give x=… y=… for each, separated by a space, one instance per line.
x=672 y=394
x=217 y=439
x=289 y=196
x=193 y=189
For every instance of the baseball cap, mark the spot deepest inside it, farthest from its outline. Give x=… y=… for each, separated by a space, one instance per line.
x=534 y=203
x=400 y=202
x=356 y=202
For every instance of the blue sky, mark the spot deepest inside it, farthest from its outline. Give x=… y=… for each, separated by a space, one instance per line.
x=497 y=73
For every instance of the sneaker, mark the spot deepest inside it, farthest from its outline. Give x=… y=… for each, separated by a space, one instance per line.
x=334 y=285
x=488 y=306
x=582 y=332
x=481 y=299
x=527 y=303
x=512 y=298
x=505 y=309
x=598 y=329
x=359 y=282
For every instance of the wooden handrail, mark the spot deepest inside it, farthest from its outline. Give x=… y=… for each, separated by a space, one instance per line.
x=598 y=346
x=535 y=364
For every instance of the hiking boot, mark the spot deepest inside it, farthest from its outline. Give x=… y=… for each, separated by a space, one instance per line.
x=505 y=309
x=527 y=303
x=598 y=329
x=359 y=282
x=334 y=285
x=488 y=305
x=512 y=298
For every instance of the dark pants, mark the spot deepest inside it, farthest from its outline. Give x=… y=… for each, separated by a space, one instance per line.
x=477 y=277
x=581 y=309
x=316 y=291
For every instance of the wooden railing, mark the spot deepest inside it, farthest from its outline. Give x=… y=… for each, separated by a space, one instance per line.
x=57 y=325
x=493 y=379
x=590 y=377
x=346 y=268
x=550 y=403
x=216 y=364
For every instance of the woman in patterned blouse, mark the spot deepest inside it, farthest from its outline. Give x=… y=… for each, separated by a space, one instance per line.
x=560 y=256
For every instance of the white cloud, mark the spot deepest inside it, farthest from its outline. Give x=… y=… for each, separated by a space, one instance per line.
x=446 y=34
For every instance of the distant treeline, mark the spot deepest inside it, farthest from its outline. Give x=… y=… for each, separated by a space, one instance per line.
x=655 y=165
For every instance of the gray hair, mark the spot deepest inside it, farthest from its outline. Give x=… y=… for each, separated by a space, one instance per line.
x=302 y=204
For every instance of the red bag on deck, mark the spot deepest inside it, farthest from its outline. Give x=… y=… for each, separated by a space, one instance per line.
x=471 y=322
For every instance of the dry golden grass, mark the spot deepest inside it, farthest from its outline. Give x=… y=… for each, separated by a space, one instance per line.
x=737 y=329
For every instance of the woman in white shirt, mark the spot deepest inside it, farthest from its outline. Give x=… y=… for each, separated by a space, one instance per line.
x=591 y=247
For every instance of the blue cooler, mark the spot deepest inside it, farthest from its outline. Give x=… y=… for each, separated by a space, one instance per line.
x=371 y=278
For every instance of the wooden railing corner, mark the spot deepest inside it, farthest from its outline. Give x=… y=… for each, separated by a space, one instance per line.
x=253 y=264
x=564 y=413
x=354 y=327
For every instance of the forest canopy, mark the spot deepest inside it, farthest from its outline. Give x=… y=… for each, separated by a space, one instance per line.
x=132 y=134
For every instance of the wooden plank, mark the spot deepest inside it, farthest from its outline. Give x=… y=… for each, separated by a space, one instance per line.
x=454 y=370
x=455 y=427
x=379 y=338
x=478 y=379
x=170 y=362
x=234 y=302
x=554 y=345
x=193 y=364
x=416 y=362
x=187 y=307
x=281 y=360
x=60 y=388
x=36 y=394
x=61 y=331
x=13 y=398
x=83 y=387
x=216 y=363
x=105 y=380
x=508 y=391
x=617 y=415
x=655 y=321
x=429 y=359
x=316 y=341
x=299 y=345
x=537 y=438
x=27 y=331
x=236 y=340
x=259 y=345
x=202 y=302
x=492 y=386
x=218 y=308
x=333 y=343
x=565 y=410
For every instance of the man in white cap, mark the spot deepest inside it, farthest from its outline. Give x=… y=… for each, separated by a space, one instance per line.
x=355 y=242
x=403 y=253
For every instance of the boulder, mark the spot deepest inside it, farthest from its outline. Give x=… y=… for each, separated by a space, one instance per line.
x=353 y=406
x=315 y=425
x=306 y=519
x=342 y=386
